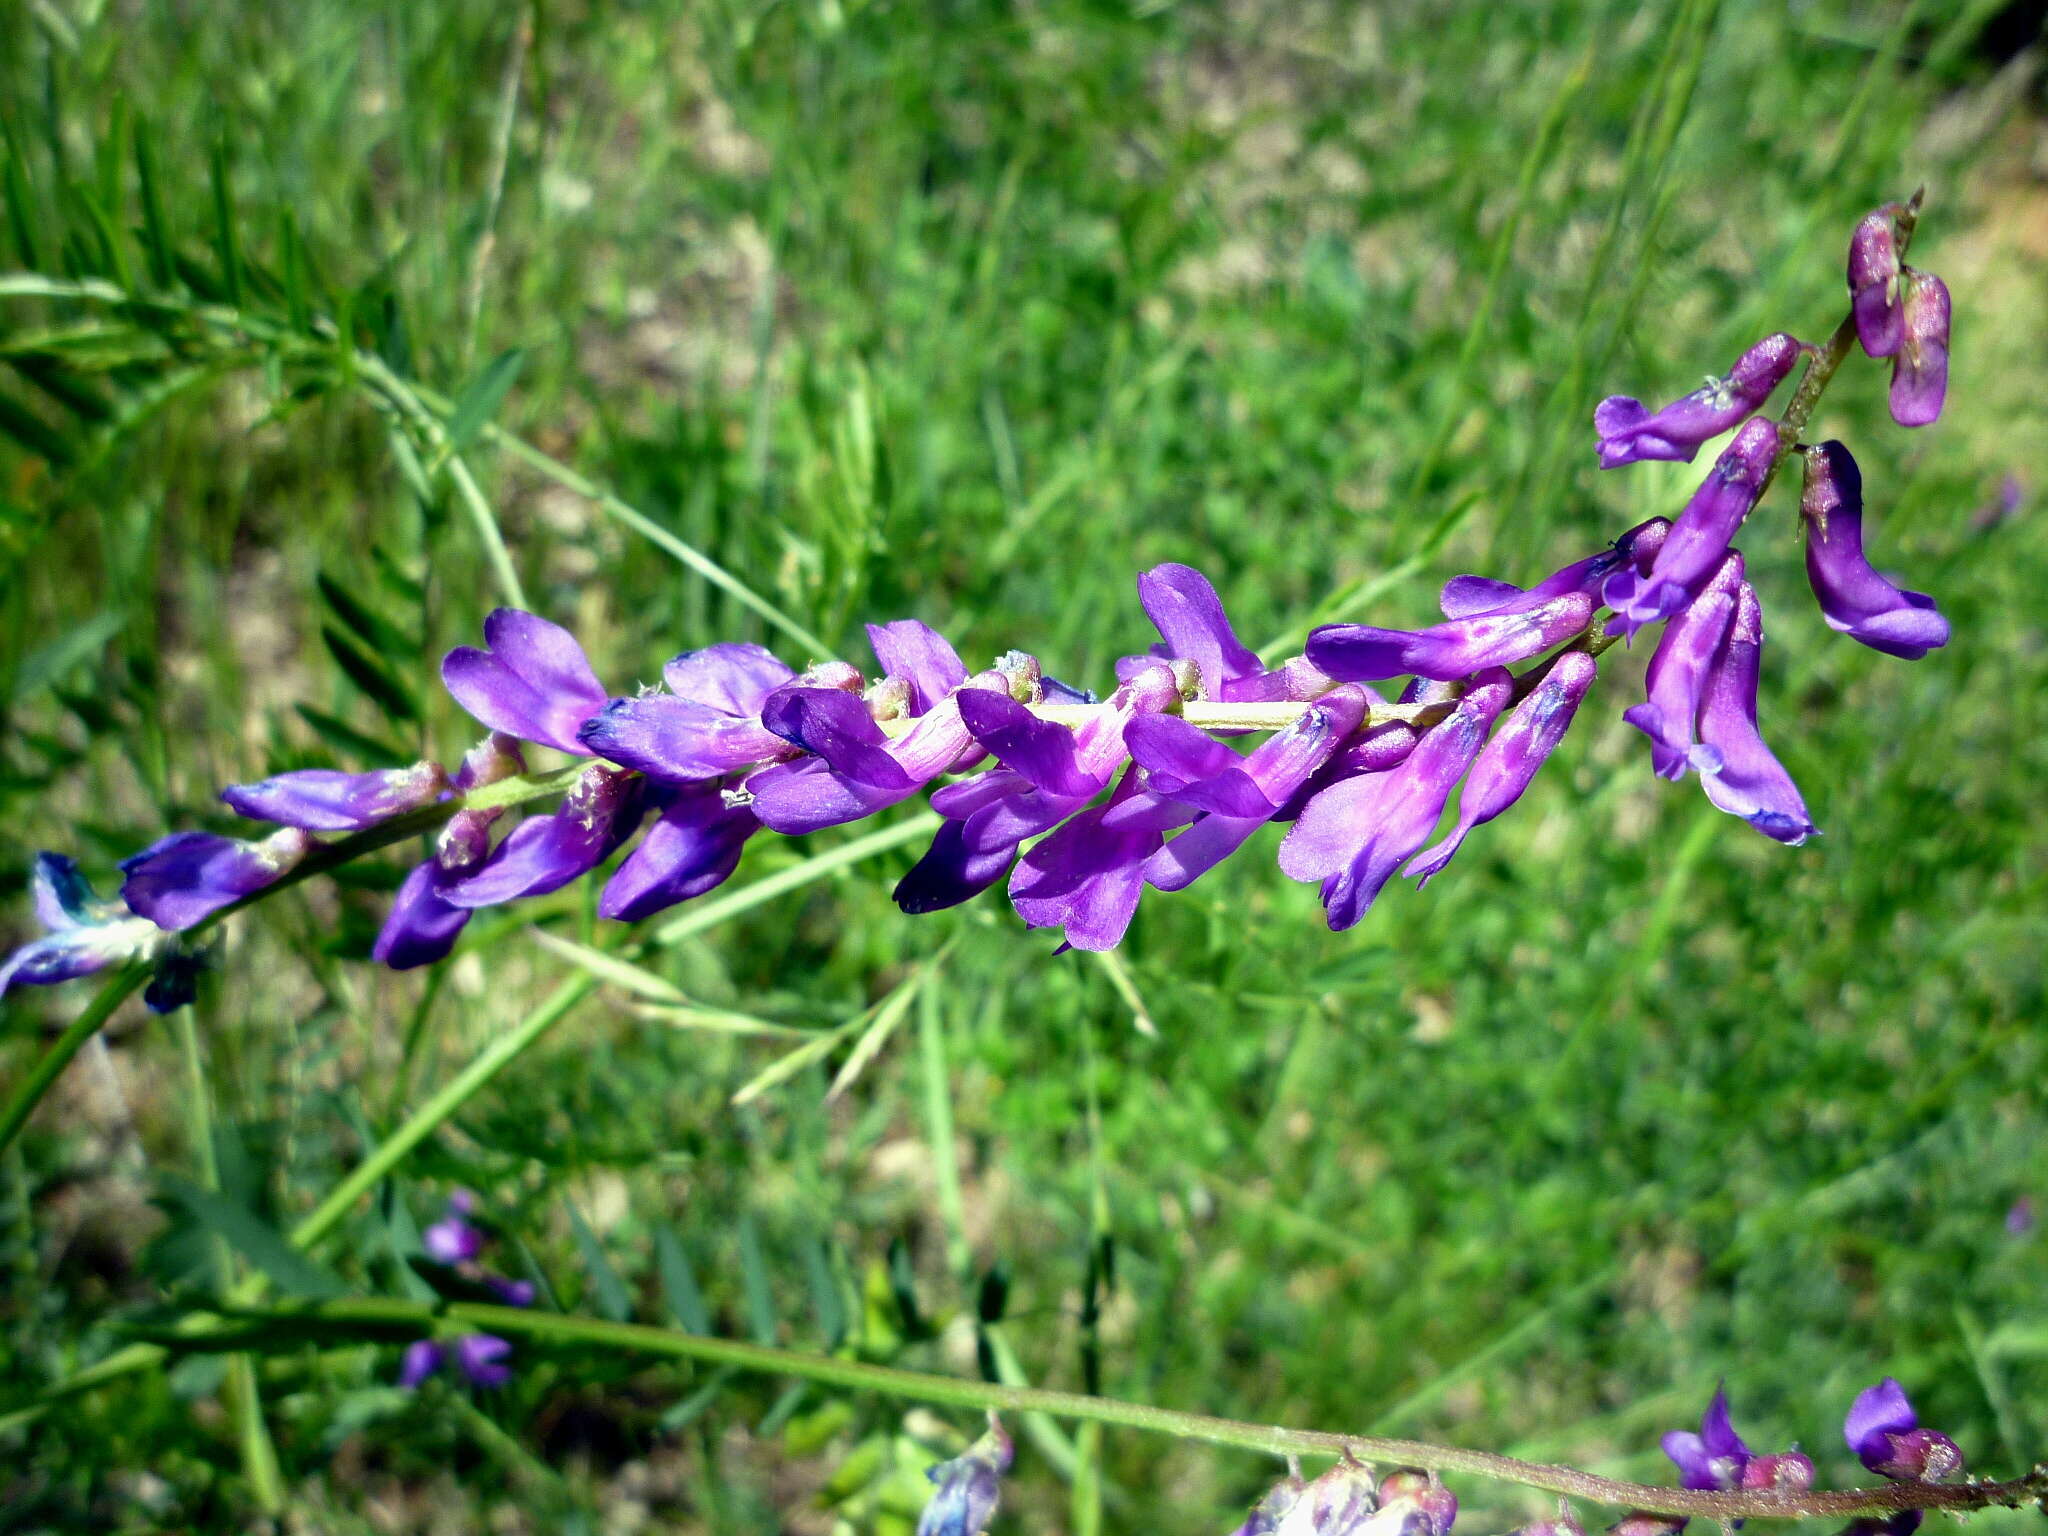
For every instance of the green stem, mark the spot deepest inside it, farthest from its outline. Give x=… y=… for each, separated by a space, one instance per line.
x=28 y=1093
x=382 y=1317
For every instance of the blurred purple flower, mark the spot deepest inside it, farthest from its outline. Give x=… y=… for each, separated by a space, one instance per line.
x=84 y=936
x=1508 y=762
x=1676 y=680
x=1355 y=834
x=967 y=1489
x=1887 y=1437
x=327 y=800
x=1630 y=432
x=1266 y=1516
x=179 y=881
x=1737 y=770
x=481 y=1357
x=534 y=682
x=2019 y=1217
x=454 y=1239
x=1854 y=598
x=1699 y=539
x=1920 y=370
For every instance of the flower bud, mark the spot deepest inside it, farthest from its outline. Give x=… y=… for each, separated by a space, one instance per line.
x=1920 y=369
x=1780 y=1472
x=1641 y=1522
x=1887 y=1437
x=1874 y=279
x=1339 y=1503
x=1422 y=1492
x=1566 y=1524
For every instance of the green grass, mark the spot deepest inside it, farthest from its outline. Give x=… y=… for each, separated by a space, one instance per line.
x=969 y=315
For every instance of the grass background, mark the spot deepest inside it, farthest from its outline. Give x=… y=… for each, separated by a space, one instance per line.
x=969 y=313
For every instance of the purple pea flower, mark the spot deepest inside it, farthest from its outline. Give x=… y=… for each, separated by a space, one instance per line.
x=921 y=658
x=1341 y=1502
x=1854 y=598
x=693 y=846
x=1677 y=677
x=1737 y=770
x=1920 y=368
x=708 y=723
x=1694 y=547
x=544 y=853
x=84 y=936
x=1274 y=1506
x=1456 y=648
x=1236 y=796
x=454 y=1239
x=1874 y=281
x=1630 y=432
x=1508 y=762
x=179 y=881
x=967 y=1489
x=1471 y=597
x=1887 y=1437
x=1716 y=1457
x=534 y=682
x=327 y=800
x=1421 y=1493
x=481 y=1357
x=1183 y=606
x=1355 y=834
x=1085 y=879
x=423 y=926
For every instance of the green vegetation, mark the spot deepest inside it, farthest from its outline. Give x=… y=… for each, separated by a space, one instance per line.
x=970 y=315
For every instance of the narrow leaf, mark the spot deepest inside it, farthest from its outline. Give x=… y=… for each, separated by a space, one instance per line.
x=227 y=249
x=346 y=739
x=611 y=1296
x=620 y=973
x=255 y=1241
x=156 y=228
x=679 y=1283
x=370 y=675
x=481 y=397
x=49 y=663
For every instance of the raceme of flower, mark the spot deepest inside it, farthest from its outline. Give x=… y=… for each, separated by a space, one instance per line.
x=1083 y=803
x=454 y=1244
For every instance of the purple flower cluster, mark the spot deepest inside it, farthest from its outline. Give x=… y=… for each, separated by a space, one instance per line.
x=1083 y=802
x=455 y=1243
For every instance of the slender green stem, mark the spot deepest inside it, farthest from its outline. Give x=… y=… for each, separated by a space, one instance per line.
x=387 y=1317
x=28 y=1093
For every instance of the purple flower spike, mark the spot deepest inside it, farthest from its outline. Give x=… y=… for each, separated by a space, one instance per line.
x=1715 y=1458
x=482 y=1358
x=967 y=1489
x=1456 y=648
x=1749 y=782
x=1677 y=676
x=534 y=682
x=422 y=1358
x=1886 y=1436
x=85 y=935
x=692 y=848
x=1920 y=370
x=326 y=800
x=544 y=853
x=178 y=882
x=1248 y=792
x=1509 y=761
x=1874 y=281
x=1699 y=539
x=1355 y=834
x=708 y=723
x=921 y=657
x=1630 y=433
x=1854 y=598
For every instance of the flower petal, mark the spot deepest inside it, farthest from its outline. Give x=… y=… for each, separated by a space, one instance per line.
x=421 y=927
x=328 y=800
x=678 y=739
x=921 y=656
x=731 y=677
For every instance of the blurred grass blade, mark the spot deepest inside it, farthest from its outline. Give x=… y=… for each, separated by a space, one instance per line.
x=607 y=1288
x=679 y=1286
x=261 y=1245
x=754 y=1281
x=481 y=397
x=887 y=1017
x=619 y=972
x=51 y=662
x=227 y=245
x=708 y=913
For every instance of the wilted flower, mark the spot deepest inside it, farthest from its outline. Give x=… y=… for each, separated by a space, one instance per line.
x=1886 y=1436
x=1920 y=369
x=969 y=1486
x=179 y=881
x=534 y=682
x=1421 y=1493
x=1630 y=432
x=1854 y=598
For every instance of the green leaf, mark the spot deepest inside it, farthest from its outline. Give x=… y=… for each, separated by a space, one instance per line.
x=480 y=398
x=679 y=1283
x=612 y=1299
x=156 y=228
x=255 y=1240
x=370 y=675
x=227 y=248
x=372 y=628
x=754 y=1280
x=346 y=739
x=49 y=663
x=22 y=213
x=33 y=434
